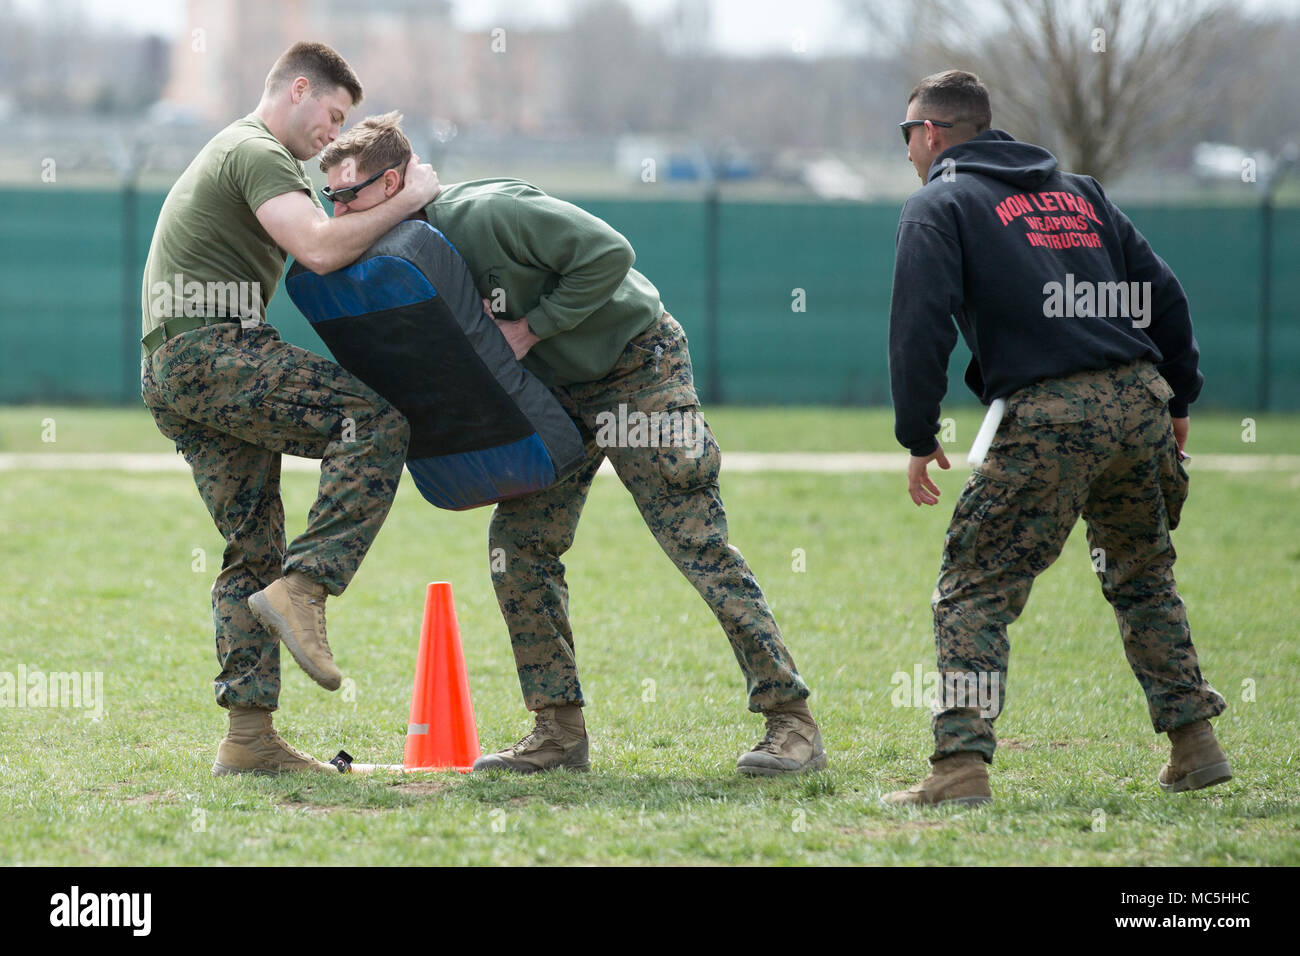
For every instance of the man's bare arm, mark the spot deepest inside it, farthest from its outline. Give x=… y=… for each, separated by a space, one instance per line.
x=323 y=244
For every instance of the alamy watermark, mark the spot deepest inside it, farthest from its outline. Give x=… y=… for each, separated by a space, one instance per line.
x=170 y=299
x=1098 y=300
x=678 y=428
x=76 y=908
x=35 y=688
x=950 y=690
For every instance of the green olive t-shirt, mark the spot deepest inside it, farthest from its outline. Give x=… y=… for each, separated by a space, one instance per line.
x=209 y=255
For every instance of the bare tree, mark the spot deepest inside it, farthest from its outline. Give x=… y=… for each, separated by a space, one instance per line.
x=1100 y=82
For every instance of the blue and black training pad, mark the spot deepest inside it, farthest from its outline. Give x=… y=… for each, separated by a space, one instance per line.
x=407 y=320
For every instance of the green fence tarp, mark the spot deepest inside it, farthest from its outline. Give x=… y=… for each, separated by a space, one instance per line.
x=802 y=291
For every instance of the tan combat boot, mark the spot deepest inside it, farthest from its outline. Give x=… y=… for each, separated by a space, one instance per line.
x=559 y=739
x=792 y=744
x=293 y=609
x=251 y=745
x=961 y=778
x=1196 y=760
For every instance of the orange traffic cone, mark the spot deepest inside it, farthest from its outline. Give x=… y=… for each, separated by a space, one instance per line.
x=441 y=733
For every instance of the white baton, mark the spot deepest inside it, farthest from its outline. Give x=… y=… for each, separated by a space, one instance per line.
x=992 y=419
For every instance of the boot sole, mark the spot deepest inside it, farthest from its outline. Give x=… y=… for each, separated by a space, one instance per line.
x=975 y=801
x=226 y=770
x=270 y=619
x=965 y=801
x=816 y=763
x=1199 y=779
x=526 y=768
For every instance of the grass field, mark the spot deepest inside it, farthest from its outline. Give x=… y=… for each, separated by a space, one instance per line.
x=99 y=575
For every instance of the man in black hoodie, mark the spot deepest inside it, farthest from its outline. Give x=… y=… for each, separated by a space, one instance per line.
x=1085 y=333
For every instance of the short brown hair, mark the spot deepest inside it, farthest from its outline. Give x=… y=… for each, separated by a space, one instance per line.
x=324 y=68
x=955 y=96
x=377 y=142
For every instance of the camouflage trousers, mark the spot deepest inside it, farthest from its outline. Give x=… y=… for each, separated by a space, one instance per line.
x=1100 y=444
x=644 y=416
x=234 y=400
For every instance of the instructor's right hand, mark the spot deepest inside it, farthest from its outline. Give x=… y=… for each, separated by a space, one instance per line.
x=421 y=182
x=919 y=486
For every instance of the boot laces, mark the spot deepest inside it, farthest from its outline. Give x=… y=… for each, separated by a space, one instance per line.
x=317 y=605
x=778 y=725
x=545 y=728
x=273 y=738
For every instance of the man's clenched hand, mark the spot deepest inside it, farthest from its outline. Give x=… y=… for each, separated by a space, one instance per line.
x=420 y=184
x=518 y=334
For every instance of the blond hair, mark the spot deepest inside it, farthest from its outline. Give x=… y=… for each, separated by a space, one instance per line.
x=377 y=143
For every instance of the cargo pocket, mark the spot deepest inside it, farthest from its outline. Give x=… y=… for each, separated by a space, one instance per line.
x=691 y=458
x=659 y=443
x=1157 y=386
x=1048 y=422
x=1174 y=485
x=1174 y=480
x=174 y=365
x=1047 y=404
x=1010 y=513
x=962 y=540
x=980 y=533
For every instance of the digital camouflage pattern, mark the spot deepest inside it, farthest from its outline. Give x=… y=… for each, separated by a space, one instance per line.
x=1100 y=444
x=676 y=491
x=233 y=400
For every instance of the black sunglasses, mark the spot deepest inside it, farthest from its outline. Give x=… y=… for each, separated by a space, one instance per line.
x=906 y=126
x=349 y=193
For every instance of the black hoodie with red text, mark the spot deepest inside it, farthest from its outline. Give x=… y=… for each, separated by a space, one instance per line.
x=1043 y=274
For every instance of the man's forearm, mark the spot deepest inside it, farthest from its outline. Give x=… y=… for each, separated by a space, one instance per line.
x=340 y=241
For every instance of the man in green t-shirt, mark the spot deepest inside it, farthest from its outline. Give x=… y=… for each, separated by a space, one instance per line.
x=233 y=397
x=560 y=284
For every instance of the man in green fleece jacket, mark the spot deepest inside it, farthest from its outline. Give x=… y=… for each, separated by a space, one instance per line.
x=560 y=284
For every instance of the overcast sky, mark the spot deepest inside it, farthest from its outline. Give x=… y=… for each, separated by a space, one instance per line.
x=739 y=26
x=743 y=27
